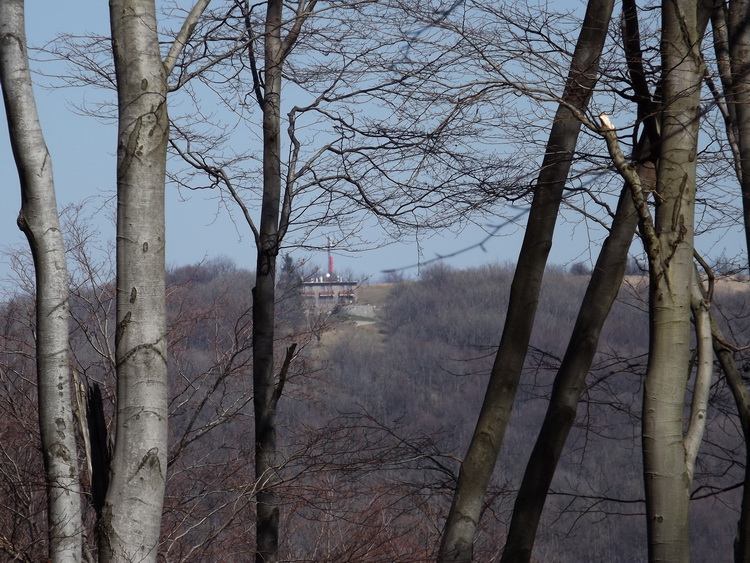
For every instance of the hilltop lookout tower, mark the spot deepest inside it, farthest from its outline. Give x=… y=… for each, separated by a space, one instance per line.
x=324 y=292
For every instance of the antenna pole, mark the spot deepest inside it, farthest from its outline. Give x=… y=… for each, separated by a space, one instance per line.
x=330 y=258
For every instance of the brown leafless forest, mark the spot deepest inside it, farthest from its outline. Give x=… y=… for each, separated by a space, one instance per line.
x=374 y=422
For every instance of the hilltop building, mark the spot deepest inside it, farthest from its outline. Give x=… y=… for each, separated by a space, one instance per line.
x=327 y=291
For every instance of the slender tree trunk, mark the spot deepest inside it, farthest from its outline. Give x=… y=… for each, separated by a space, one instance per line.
x=742 y=399
x=739 y=53
x=264 y=386
x=741 y=395
x=39 y=221
x=666 y=472
x=132 y=513
x=732 y=46
x=668 y=454
x=566 y=392
x=479 y=463
x=602 y=290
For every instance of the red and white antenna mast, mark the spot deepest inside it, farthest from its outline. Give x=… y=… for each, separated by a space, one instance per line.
x=330 y=259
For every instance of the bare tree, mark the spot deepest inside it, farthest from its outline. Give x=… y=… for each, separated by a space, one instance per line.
x=140 y=343
x=38 y=219
x=669 y=456
x=304 y=184
x=569 y=382
x=405 y=168
x=480 y=459
x=130 y=523
x=601 y=293
x=131 y=518
x=266 y=390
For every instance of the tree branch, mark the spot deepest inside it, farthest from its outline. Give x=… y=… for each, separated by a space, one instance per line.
x=183 y=35
x=699 y=405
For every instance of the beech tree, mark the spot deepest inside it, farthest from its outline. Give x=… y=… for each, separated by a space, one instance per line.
x=668 y=455
x=131 y=516
x=39 y=221
x=668 y=477
x=602 y=290
x=130 y=523
x=410 y=167
x=302 y=184
x=651 y=111
x=480 y=459
x=266 y=390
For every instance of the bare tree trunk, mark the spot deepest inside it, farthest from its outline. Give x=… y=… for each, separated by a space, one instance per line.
x=131 y=517
x=597 y=302
x=670 y=250
x=479 y=463
x=566 y=392
x=274 y=218
x=668 y=454
x=739 y=97
x=742 y=399
x=264 y=297
x=39 y=221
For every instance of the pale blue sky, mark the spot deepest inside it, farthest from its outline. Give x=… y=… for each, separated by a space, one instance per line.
x=83 y=150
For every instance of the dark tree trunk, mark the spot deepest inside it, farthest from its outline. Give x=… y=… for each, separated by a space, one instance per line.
x=739 y=97
x=602 y=290
x=267 y=525
x=479 y=463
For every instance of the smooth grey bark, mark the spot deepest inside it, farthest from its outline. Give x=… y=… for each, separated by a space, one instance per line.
x=39 y=221
x=131 y=518
x=670 y=250
x=601 y=293
x=479 y=463
x=668 y=455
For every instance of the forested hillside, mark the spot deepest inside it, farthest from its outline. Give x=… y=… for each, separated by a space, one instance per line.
x=428 y=361
x=597 y=412
x=375 y=419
